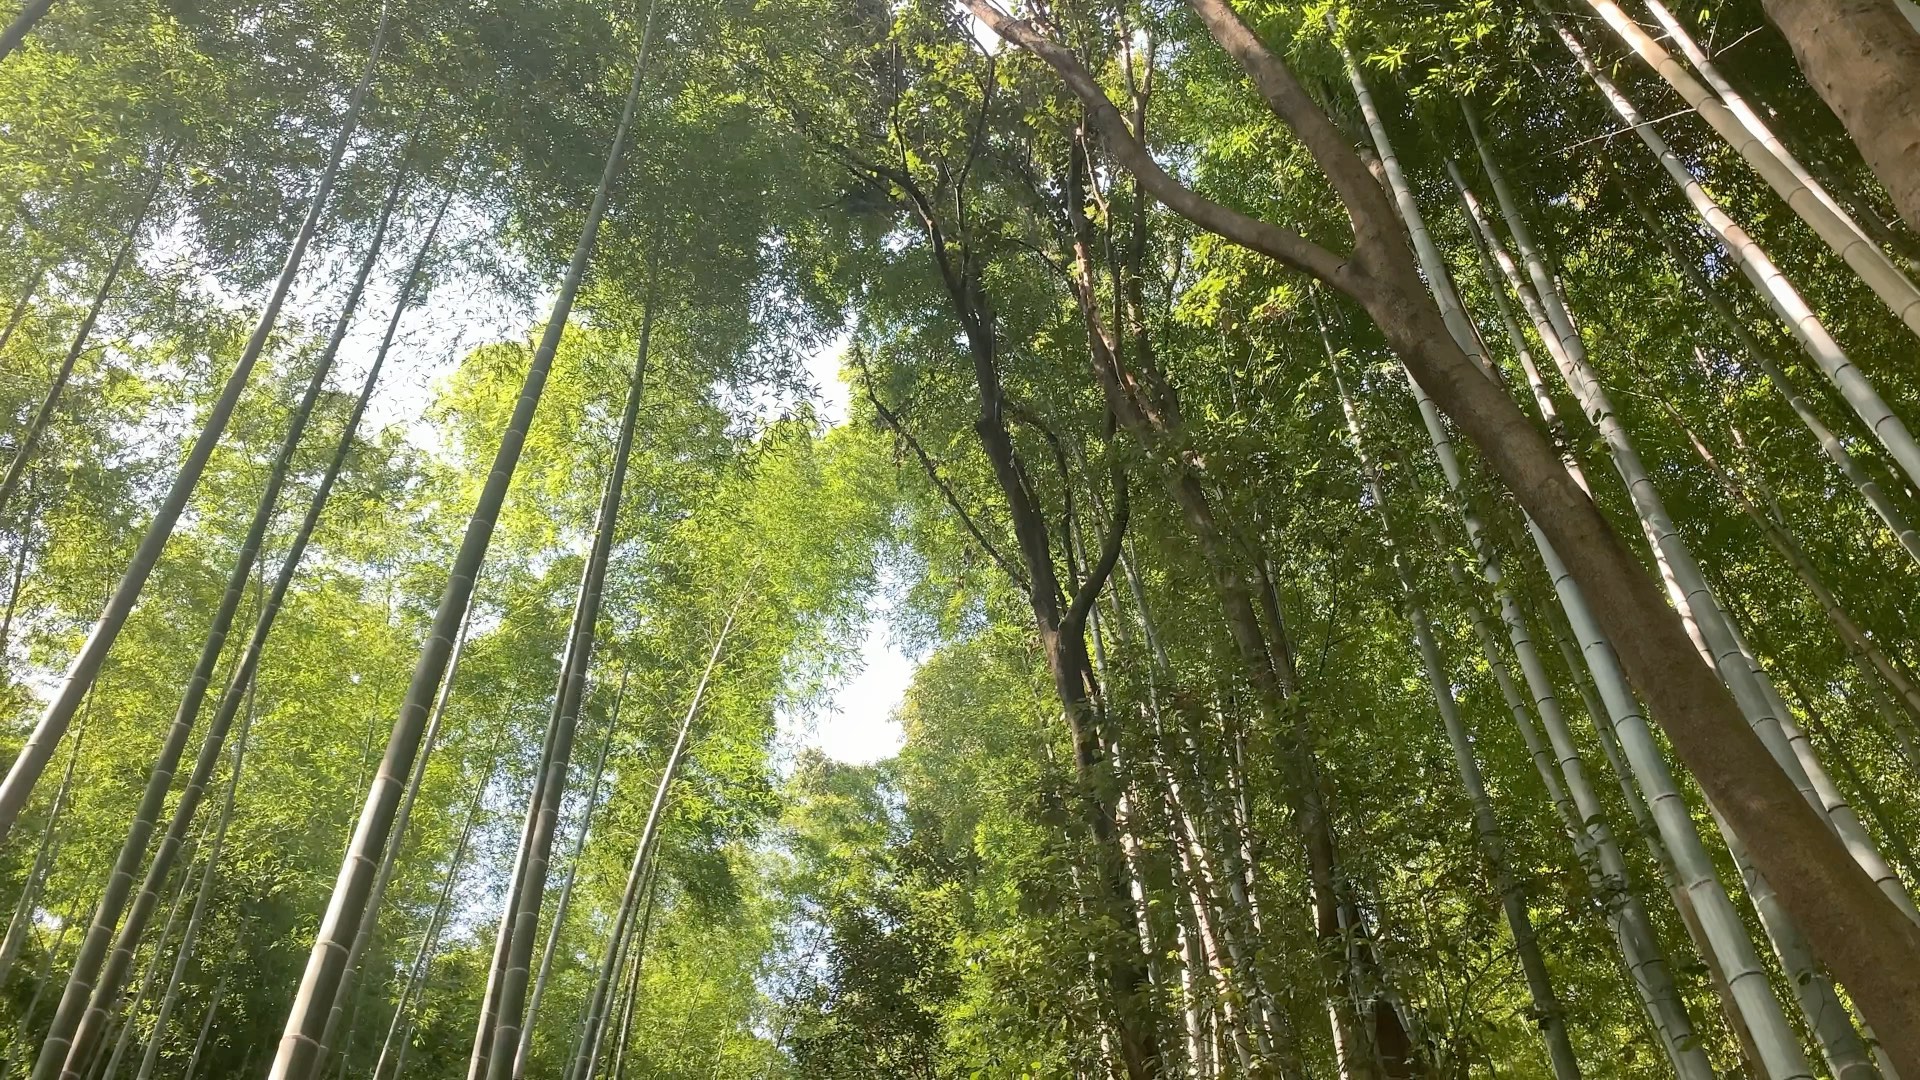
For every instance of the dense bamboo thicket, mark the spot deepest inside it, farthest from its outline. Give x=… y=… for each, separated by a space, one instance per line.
x=1401 y=517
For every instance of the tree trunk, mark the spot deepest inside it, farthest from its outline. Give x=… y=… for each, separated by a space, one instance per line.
x=429 y=938
x=313 y=1002
x=1777 y=1046
x=184 y=956
x=21 y=923
x=599 y=1002
x=85 y=668
x=22 y=24
x=1060 y=620
x=1863 y=58
x=1743 y=130
x=566 y=889
x=1630 y=923
x=1855 y=928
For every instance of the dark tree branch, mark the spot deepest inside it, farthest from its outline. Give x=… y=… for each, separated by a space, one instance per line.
x=893 y=423
x=1101 y=570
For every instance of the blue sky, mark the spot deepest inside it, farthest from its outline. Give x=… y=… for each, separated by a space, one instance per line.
x=857 y=723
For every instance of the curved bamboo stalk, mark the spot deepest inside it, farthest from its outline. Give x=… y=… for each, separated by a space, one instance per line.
x=1830 y=444
x=561 y=906
x=1549 y=1014
x=632 y=1007
x=191 y=935
x=39 y=747
x=598 y=1001
x=550 y=791
x=423 y=956
x=313 y=1002
x=40 y=984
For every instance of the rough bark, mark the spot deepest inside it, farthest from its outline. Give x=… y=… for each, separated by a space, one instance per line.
x=1863 y=59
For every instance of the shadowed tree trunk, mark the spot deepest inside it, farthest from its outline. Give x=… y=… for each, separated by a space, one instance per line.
x=22 y=25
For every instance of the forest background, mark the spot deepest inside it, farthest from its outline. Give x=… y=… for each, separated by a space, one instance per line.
x=1388 y=526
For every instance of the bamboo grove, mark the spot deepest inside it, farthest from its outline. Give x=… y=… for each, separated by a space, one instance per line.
x=1403 y=518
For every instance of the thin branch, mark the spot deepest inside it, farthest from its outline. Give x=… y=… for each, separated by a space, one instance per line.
x=892 y=421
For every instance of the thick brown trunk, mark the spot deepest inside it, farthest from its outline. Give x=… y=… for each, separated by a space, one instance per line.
x=1855 y=929
x=1863 y=58
x=1852 y=926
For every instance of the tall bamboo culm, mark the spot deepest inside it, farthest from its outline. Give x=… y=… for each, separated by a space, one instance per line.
x=52 y=725
x=313 y=1001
